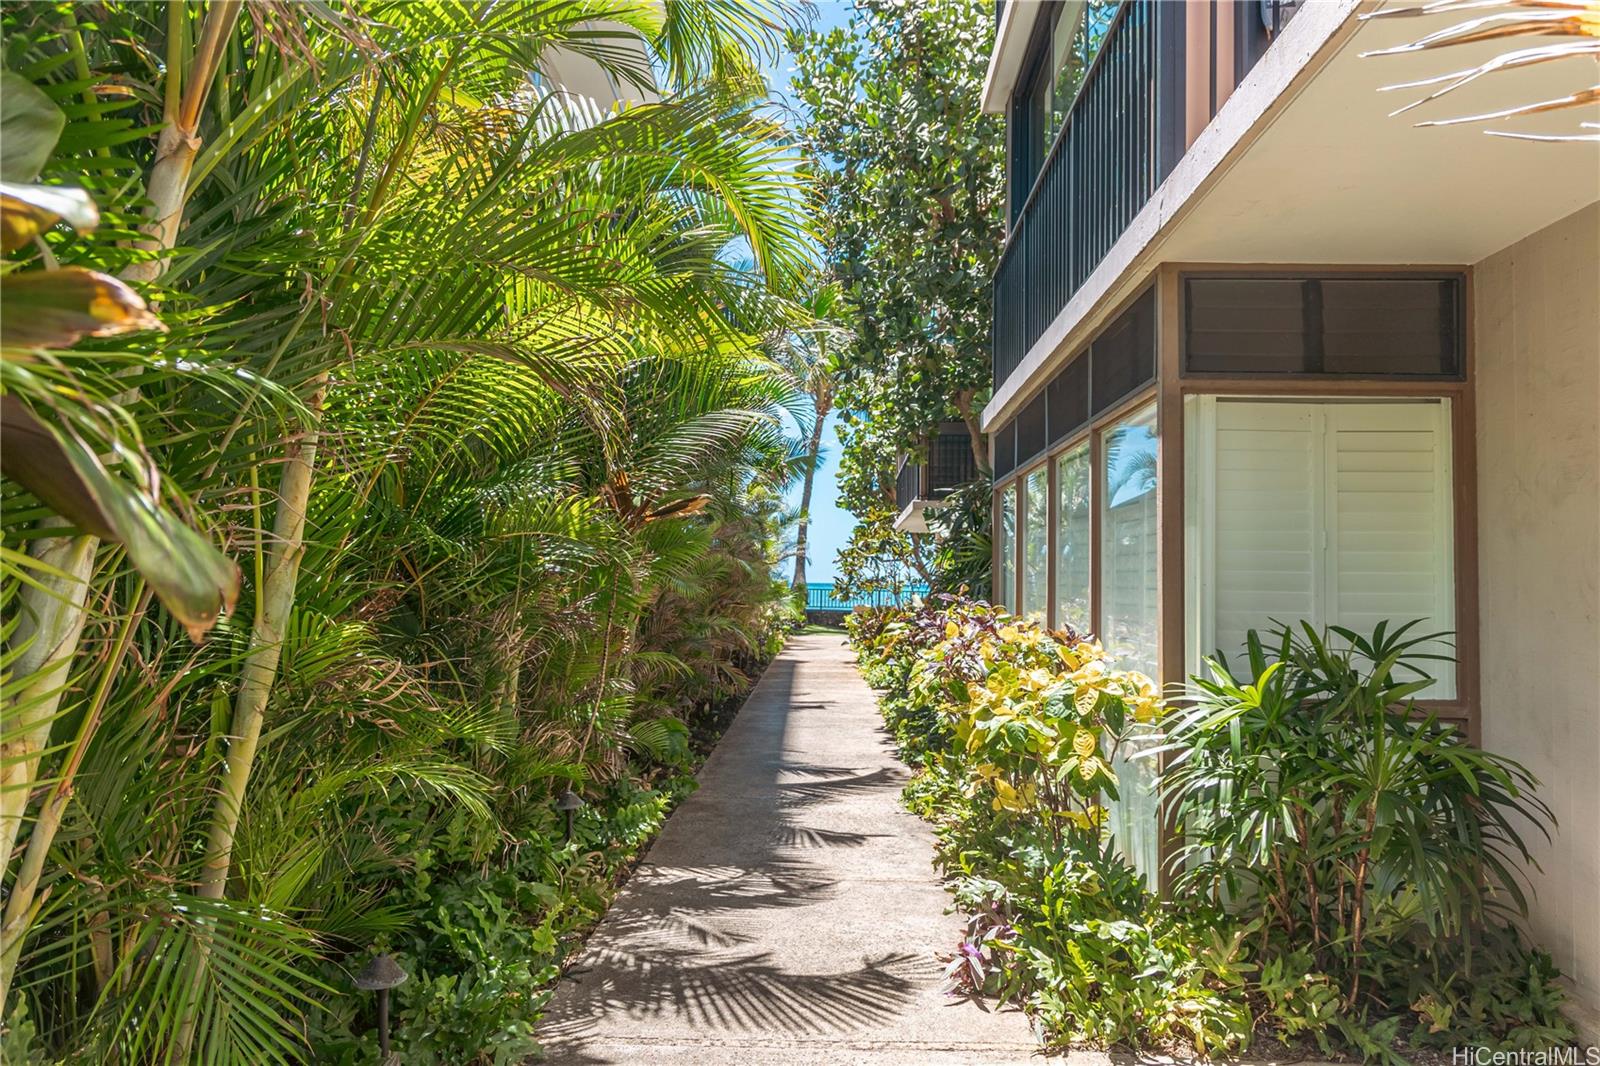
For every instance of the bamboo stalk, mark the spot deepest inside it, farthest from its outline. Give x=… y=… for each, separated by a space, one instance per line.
x=179 y=143
x=49 y=625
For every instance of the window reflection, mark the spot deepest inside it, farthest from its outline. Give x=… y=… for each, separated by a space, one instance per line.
x=1072 y=539
x=1006 y=579
x=1035 y=545
x=1130 y=614
x=1079 y=31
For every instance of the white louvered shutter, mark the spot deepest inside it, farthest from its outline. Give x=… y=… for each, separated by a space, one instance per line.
x=1268 y=521
x=1390 y=550
x=1335 y=513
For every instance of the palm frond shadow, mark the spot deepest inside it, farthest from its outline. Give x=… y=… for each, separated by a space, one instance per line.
x=803 y=836
x=752 y=993
x=808 y=793
x=676 y=890
x=815 y=771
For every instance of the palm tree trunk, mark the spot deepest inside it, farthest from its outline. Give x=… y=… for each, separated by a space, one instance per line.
x=49 y=624
x=814 y=448
x=25 y=900
x=275 y=596
x=274 y=602
x=980 y=444
x=168 y=187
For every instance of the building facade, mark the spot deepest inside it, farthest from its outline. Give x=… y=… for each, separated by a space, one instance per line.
x=1264 y=351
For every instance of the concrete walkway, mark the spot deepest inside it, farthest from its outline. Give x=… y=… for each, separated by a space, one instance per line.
x=789 y=912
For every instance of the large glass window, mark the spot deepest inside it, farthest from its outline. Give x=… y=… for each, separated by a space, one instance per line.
x=1035 y=544
x=1128 y=532
x=1073 y=477
x=1005 y=578
x=1130 y=611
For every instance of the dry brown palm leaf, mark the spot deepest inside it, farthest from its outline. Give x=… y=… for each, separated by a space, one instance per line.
x=1545 y=18
x=678 y=508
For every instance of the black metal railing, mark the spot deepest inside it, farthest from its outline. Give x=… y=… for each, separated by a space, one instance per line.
x=908 y=482
x=1120 y=139
x=821 y=596
x=949 y=464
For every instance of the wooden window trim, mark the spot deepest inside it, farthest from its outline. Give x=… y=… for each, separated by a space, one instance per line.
x=1053 y=529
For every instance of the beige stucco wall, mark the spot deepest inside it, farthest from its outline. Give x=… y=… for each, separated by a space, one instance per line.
x=1538 y=403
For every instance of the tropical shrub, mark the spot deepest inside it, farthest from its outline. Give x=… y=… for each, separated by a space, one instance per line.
x=991 y=708
x=398 y=448
x=1366 y=837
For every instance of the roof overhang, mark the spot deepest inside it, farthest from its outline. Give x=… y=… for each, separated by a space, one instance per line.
x=1304 y=164
x=1011 y=39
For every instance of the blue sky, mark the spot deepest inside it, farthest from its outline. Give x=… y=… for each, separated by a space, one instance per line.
x=830 y=523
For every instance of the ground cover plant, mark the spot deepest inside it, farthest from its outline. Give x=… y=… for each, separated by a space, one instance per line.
x=1347 y=880
x=392 y=444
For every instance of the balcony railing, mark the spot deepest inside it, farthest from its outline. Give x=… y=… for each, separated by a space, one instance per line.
x=1123 y=134
x=948 y=466
x=1120 y=139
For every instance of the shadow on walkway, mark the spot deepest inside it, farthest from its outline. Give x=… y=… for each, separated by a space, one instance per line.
x=789 y=912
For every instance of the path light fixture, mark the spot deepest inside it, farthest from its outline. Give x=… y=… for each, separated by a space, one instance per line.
x=380 y=975
x=569 y=802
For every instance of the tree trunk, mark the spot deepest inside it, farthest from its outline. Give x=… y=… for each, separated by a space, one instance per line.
x=168 y=187
x=49 y=624
x=274 y=602
x=980 y=444
x=814 y=449
x=918 y=562
x=169 y=179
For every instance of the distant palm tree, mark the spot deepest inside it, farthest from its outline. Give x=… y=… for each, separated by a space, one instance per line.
x=809 y=355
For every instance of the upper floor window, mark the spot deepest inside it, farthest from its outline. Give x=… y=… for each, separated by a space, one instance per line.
x=1066 y=40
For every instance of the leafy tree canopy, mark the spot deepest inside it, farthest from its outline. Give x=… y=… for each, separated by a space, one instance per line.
x=909 y=183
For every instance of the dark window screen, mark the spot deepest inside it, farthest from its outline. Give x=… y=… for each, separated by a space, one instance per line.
x=1005 y=449
x=1031 y=439
x=1361 y=327
x=1068 y=399
x=1391 y=327
x=1124 y=357
x=1245 y=325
